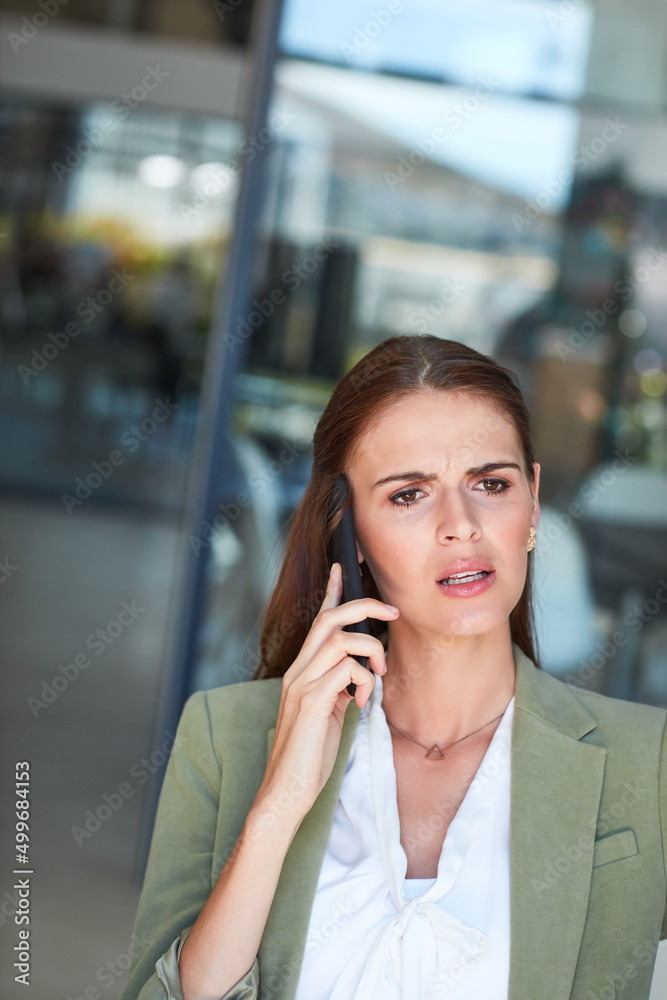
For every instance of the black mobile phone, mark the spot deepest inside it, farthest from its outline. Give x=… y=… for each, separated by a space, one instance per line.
x=343 y=549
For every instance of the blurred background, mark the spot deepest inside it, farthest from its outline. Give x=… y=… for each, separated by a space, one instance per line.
x=208 y=212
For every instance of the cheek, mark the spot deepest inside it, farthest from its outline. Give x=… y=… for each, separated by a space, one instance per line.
x=508 y=527
x=516 y=538
x=389 y=550
x=517 y=556
x=517 y=534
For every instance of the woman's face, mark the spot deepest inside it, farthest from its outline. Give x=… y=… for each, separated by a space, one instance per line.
x=437 y=481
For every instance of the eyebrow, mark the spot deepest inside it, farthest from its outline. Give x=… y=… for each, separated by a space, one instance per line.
x=429 y=476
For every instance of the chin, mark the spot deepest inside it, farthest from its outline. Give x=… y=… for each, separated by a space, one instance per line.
x=471 y=624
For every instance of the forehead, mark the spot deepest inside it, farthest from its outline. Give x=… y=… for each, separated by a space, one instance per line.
x=437 y=426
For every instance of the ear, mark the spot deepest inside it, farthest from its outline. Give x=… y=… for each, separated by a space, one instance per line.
x=535 y=490
x=360 y=555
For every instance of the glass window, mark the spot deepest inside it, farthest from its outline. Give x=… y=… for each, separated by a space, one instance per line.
x=116 y=221
x=431 y=180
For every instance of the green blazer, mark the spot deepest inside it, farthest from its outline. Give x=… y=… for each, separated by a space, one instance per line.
x=588 y=838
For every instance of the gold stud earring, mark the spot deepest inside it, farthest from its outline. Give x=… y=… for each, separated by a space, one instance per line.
x=531 y=538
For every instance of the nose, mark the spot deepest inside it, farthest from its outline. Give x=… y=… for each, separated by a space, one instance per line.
x=456 y=517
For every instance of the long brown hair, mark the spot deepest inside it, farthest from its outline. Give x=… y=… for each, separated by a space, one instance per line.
x=395 y=368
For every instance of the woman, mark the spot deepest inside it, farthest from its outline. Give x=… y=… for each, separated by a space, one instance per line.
x=470 y=826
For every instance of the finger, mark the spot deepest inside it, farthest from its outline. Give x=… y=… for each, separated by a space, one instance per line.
x=316 y=637
x=349 y=671
x=357 y=611
x=348 y=613
x=334 y=590
x=335 y=617
x=341 y=645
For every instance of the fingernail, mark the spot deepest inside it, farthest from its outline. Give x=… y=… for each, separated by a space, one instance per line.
x=391 y=607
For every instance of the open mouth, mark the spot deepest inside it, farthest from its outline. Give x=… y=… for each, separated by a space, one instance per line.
x=463 y=578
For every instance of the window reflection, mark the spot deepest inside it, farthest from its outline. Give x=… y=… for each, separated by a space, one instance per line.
x=115 y=222
x=484 y=207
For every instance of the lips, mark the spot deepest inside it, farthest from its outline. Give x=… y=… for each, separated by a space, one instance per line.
x=464 y=569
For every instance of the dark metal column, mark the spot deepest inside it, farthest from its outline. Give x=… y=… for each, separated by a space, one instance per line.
x=211 y=461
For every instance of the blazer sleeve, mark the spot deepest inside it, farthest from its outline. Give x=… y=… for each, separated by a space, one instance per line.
x=166 y=969
x=178 y=875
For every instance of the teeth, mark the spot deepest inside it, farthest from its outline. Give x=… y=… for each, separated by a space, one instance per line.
x=464 y=577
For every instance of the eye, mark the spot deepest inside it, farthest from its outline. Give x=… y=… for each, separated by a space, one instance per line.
x=405 y=493
x=500 y=486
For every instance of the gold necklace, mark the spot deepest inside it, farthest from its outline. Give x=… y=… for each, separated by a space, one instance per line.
x=435 y=752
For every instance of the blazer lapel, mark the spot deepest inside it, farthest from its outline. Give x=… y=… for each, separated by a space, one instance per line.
x=282 y=946
x=556 y=786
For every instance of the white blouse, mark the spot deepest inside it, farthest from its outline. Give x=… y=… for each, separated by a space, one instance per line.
x=376 y=935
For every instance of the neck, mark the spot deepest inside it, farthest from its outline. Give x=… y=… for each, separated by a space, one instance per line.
x=439 y=688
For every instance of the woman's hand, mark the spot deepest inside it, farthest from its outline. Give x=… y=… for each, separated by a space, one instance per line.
x=314 y=698
x=226 y=936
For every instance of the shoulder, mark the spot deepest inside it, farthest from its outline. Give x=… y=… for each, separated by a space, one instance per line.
x=631 y=726
x=260 y=699
x=617 y=713
x=257 y=698
x=234 y=719
x=582 y=714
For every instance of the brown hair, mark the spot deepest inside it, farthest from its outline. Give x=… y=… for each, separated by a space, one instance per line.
x=395 y=368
